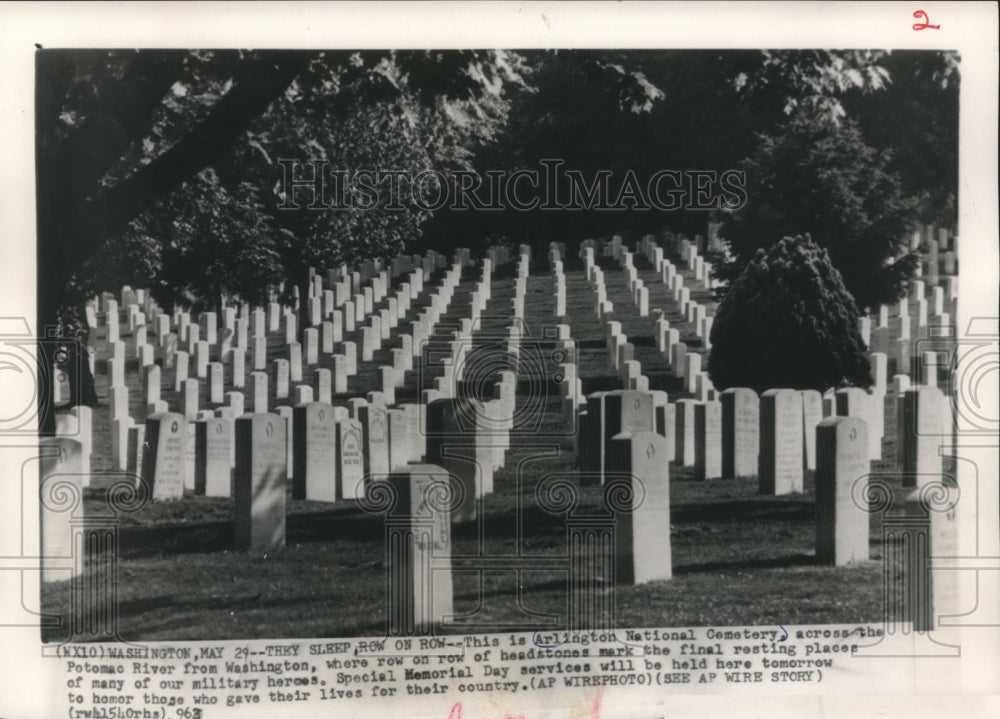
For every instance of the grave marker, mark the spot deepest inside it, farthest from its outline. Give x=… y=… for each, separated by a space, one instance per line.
x=931 y=525
x=707 y=440
x=59 y=466
x=258 y=383
x=213 y=457
x=400 y=442
x=349 y=460
x=780 y=459
x=259 y=483
x=215 y=383
x=136 y=445
x=639 y=495
x=740 y=432
x=294 y=362
x=625 y=412
x=119 y=441
x=923 y=415
x=375 y=441
x=454 y=442
x=238 y=370
x=684 y=453
x=311 y=339
x=164 y=458
x=281 y=378
x=118 y=402
x=350 y=352
x=323 y=386
x=314 y=452
x=419 y=551
x=190 y=399
x=841 y=461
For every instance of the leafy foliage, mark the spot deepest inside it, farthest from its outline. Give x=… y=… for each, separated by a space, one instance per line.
x=916 y=117
x=814 y=81
x=219 y=243
x=820 y=178
x=788 y=321
x=123 y=137
x=318 y=125
x=119 y=132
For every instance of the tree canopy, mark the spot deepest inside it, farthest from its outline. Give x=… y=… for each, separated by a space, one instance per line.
x=155 y=165
x=823 y=179
x=125 y=140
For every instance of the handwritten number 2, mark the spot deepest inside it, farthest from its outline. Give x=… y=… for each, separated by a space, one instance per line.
x=925 y=25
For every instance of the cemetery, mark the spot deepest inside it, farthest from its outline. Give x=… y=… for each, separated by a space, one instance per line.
x=612 y=338
x=487 y=441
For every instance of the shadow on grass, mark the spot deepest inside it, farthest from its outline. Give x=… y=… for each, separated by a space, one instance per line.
x=513 y=590
x=790 y=560
x=348 y=523
x=140 y=542
x=749 y=510
x=207 y=537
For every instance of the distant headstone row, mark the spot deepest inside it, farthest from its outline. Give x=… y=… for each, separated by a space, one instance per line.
x=267 y=428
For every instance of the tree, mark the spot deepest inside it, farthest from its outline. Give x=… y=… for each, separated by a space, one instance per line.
x=99 y=166
x=821 y=178
x=788 y=321
x=814 y=82
x=119 y=132
x=219 y=242
x=379 y=125
x=916 y=117
x=640 y=112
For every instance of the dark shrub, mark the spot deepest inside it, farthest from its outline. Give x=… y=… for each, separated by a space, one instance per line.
x=788 y=321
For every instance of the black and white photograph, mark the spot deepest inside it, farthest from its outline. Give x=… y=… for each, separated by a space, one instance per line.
x=409 y=380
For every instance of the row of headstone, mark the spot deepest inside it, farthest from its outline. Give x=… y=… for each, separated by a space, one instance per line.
x=595 y=276
x=122 y=425
x=852 y=401
x=923 y=320
x=632 y=456
x=633 y=459
x=682 y=362
x=284 y=370
x=372 y=416
x=940 y=251
x=771 y=436
x=668 y=340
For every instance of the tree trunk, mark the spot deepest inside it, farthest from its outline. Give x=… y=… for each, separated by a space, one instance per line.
x=72 y=229
x=302 y=282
